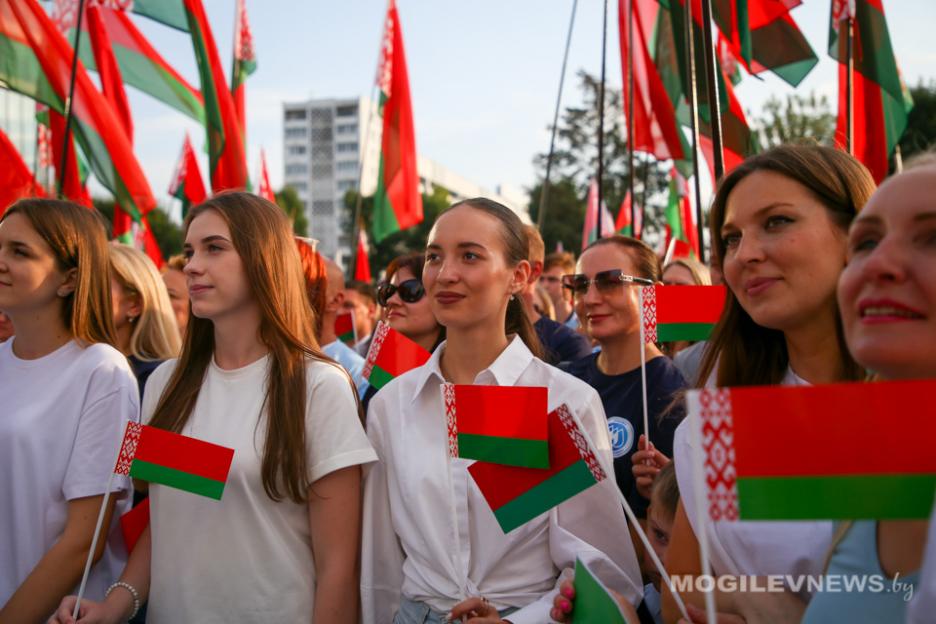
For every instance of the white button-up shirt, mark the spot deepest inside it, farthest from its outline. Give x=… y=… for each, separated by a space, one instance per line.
x=430 y=535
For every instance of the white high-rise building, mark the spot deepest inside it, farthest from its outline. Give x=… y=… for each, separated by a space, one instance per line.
x=323 y=143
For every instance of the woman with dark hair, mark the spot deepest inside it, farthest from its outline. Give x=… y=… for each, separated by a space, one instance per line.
x=779 y=224
x=283 y=543
x=430 y=539
x=66 y=395
x=407 y=309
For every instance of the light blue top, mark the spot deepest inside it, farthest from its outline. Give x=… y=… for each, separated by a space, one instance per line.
x=350 y=361
x=857 y=589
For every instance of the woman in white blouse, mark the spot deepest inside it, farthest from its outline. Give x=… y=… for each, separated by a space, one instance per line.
x=430 y=540
x=779 y=223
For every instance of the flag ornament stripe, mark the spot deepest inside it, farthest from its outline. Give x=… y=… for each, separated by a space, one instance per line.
x=128 y=448
x=648 y=304
x=380 y=334
x=718 y=446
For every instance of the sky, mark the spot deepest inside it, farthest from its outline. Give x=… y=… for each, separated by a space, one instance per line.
x=484 y=74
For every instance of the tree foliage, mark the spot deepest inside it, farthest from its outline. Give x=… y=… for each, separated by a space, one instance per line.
x=288 y=200
x=795 y=118
x=920 y=135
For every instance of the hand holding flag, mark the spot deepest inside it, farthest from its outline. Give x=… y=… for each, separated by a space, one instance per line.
x=390 y=355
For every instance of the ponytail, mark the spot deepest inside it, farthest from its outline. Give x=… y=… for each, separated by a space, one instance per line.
x=517 y=322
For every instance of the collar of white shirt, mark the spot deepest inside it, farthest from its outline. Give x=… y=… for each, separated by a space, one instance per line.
x=504 y=371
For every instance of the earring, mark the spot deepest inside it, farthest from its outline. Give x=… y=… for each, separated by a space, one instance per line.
x=131 y=319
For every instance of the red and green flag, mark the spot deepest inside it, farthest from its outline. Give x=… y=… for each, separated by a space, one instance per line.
x=623 y=224
x=829 y=452
x=362 y=270
x=266 y=189
x=168 y=12
x=175 y=460
x=680 y=312
x=680 y=224
x=390 y=355
x=516 y=495
x=228 y=164
x=134 y=522
x=590 y=226
x=36 y=60
x=245 y=63
x=16 y=181
x=881 y=101
x=187 y=185
x=344 y=328
x=498 y=424
x=594 y=603
x=397 y=202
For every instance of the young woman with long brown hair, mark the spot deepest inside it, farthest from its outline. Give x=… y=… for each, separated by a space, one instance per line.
x=282 y=544
x=66 y=396
x=779 y=224
x=431 y=542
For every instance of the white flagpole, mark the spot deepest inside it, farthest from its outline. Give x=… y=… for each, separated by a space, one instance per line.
x=643 y=369
x=94 y=541
x=701 y=494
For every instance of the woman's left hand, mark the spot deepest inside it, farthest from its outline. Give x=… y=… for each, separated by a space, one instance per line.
x=476 y=610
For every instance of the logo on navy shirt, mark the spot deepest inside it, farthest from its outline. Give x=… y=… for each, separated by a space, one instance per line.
x=622 y=436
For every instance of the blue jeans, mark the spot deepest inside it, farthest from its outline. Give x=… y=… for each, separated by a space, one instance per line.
x=412 y=612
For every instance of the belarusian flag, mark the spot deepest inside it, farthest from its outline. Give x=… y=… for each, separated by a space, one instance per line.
x=227 y=160
x=266 y=189
x=172 y=459
x=623 y=224
x=344 y=328
x=830 y=452
x=16 y=181
x=187 y=184
x=680 y=224
x=763 y=36
x=881 y=101
x=245 y=63
x=36 y=60
x=594 y=603
x=590 y=227
x=390 y=355
x=141 y=65
x=397 y=202
x=168 y=12
x=498 y=424
x=517 y=495
x=681 y=312
x=362 y=272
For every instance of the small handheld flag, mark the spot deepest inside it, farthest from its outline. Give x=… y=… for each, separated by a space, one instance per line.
x=499 y=424
x=593 y=602
x=390 y=355
x=160 y=456
x=802 y=453
x=344 y=328
x=517 y=495
x=681 y=312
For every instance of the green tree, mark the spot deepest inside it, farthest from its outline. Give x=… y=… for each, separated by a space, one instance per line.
x=168 y=234
x=575 y=163
x=288 y=200
x=921 y=123
x=796 y=118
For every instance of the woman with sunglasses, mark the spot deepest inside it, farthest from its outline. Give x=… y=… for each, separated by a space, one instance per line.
x=605 y=293
x=403 y=298
x=779 y=223
x=431 y=543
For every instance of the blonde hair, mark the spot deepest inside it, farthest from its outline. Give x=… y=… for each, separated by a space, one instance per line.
x=155 y=333
x=700 y=273
x=544 y=302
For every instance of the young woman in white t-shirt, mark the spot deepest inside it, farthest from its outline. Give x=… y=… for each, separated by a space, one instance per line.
x=282 y=544
x=779 y=223
x=66 y=396
x=431 y=543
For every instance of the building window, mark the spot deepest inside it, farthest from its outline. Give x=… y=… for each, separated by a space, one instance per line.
x=346 y=111
x=347 y=147
x=295 y=133
x=295 y=150
x=346 y=185
x=347 y=128
x=297 y=169
x=295 y=114
x=347 y=165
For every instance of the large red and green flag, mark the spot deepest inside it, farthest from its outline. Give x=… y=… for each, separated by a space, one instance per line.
x=36 y=60
x=881 y=101
x=763 y=36
x=499 y=424
x=73 y=185
x=390 y=355
x=680 y=312
x=516 y=495
x=187 y=185
x=344 y=327
x=16 y=181
x=594 y=602
x=245 y=63
x=680 y=224
x=228 y=163
x=802 y=452
x=397 y=202
x=175 y=460
x=656 y=129
x=168 y=12
x=140 y=64
x=590 y=226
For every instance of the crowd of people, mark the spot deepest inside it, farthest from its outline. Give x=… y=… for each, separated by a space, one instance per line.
x=343 y=503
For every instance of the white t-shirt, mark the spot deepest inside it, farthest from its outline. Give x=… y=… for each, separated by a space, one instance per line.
x=245 y=558
x=62 y=417
x=748 y=547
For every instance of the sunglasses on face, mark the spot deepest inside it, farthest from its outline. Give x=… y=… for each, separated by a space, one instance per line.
x=605 y=281
x=410 y=290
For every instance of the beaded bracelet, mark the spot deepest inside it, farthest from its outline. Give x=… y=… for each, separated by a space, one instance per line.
x=133 y=592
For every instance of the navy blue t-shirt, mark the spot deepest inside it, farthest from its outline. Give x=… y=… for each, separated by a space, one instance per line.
x=560 y=343
x=621 y=397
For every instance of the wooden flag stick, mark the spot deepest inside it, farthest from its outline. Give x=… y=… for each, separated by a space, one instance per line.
x=94 y=541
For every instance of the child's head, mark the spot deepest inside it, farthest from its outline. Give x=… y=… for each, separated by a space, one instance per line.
x=663 y=501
